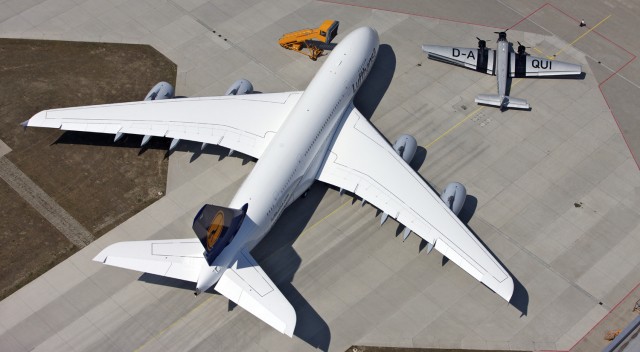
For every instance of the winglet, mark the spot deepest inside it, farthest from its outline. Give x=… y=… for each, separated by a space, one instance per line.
x=24 y=124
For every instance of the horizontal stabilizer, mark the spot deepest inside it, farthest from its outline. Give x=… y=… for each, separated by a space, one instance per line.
x=507 y=102
x=516 y=103
x=246 y=284
x=178 y=259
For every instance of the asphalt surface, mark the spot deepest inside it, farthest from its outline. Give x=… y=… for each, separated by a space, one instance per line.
x=554 y=191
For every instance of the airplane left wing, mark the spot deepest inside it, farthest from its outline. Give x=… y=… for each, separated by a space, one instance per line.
x=481 y=60
x=245 y=123
x=178 y=259
x=363 y=162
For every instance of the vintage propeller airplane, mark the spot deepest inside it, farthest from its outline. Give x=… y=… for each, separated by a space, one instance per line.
x=501 y=63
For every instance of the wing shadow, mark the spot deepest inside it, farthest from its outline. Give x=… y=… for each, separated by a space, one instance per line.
x=520 y=297
x=468 y=209
x=280 y=261
x=132 y=141
x=418 y=158
x=276 y=256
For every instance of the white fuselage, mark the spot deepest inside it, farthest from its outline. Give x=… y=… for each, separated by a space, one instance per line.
x=293 y=159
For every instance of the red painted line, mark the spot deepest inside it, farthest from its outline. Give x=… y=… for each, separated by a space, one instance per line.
x=564 y=13
x=593 y=31
x=618 y=123
x=601 y=92
x=616 y=72
x=529 y=15
x=600 y=321
x=408 y=13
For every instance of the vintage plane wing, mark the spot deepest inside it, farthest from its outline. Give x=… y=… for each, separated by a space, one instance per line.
x=532 y=66
x=363 y=162
x=471 y=58
x=245 y=283
x=245 y=123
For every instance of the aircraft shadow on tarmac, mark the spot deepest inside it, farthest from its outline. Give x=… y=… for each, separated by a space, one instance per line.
x=377 y=83
x=520 y=297
x=280 y=262
x=158 y=143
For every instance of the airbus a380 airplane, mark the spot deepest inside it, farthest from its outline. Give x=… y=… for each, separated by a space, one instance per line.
x=298 y=138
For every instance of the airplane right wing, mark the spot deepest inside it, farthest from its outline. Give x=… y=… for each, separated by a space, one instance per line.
x=481 y=60
x=245 y=123
x=363 y=162
x=532 y=66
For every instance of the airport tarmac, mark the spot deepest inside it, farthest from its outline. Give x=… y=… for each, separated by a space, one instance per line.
x=554 y=192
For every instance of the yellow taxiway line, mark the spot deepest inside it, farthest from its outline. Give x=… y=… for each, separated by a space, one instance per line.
x=470 y=115
x=455 y=126
x=344 y=203
x=325 y=217
x=580 y=37
x=173 y=324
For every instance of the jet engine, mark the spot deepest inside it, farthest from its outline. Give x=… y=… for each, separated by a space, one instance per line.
x=240 y=87
x=454 y=196
x=406 y=147
x=162 y=90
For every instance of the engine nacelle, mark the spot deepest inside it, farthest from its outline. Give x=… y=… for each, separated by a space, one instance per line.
x=406 y=147
x=454 y=196
x=240 y=87
x=162 y=90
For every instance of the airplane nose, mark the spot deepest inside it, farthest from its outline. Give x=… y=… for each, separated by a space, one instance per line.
x=371 y=32
x=365 y=34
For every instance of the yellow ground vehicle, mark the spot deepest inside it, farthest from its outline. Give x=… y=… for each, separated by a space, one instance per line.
x=316 y=40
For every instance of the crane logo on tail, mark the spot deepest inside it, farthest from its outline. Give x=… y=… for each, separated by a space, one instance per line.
x=215 y=229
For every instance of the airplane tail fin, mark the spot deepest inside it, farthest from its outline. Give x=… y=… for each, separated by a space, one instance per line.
x=506 y=102
x=216 y=226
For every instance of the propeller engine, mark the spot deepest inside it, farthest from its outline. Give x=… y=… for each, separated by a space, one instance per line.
x=482 y=44
x=502 y=35
x=522 y=50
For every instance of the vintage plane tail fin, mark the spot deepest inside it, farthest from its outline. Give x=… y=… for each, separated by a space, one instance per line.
x=503 y=102
x=216 y=226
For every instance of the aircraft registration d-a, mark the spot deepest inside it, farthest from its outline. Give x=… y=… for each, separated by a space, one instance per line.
x=298 y=138
x=501 y=62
